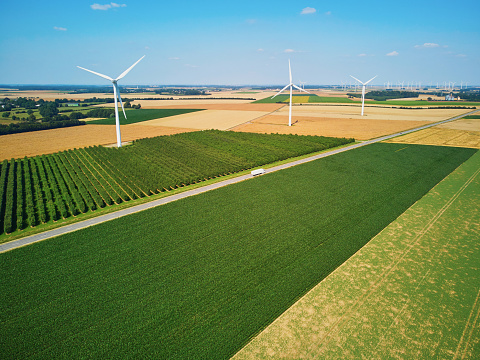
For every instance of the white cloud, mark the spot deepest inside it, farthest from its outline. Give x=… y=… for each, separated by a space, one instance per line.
x=427 y=45
x=362 y=54
x=191 y=66
x=393 y=53
x=260 y=50
x=461 y=55
x=251 y=21
x=328 y=13
x=174 y=58
x=60 y=28
x=308 y=10
x=107 y=6
x=289 y=51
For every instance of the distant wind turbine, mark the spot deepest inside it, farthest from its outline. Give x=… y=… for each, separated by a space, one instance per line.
x=364 y=85
x=291 y=85
x=116 y=95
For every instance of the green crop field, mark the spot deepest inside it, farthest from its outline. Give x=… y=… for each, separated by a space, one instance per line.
x=139 y=115
x=472 y=117
x=197 y=278
x=417 y=280
x=48 y=188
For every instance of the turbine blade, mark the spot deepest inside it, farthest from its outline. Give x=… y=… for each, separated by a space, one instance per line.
x=281 y=91
x=371 y=79
x=299 y=88
x=96 y=73
x=130 y=68
x=290 y=71
x=120 y=98
x=356 y=79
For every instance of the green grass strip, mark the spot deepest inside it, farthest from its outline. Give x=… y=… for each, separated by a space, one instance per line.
x=139 y=115
x=197 y=278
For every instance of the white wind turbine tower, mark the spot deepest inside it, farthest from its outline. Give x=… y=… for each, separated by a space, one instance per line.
x=116 y=95
x=291 y=85
x=364 y=85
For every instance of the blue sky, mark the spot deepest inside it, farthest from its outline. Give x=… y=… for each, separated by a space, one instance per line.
x=240 y=43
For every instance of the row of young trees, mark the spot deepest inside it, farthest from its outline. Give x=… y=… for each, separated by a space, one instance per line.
x=48 y=188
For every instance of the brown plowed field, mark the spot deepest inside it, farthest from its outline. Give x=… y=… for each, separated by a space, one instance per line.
x=50 y=141
x=360 y=129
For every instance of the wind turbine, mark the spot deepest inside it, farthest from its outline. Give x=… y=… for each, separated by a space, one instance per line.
x=364 y=85
x=116 y=95
x=291 y=85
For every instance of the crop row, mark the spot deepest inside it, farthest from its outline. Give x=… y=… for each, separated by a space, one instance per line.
x=52 y=187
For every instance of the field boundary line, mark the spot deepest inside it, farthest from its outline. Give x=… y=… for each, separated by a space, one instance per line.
x=340 y=323
x=137 y=208
x=258 y=117
x=466 y=327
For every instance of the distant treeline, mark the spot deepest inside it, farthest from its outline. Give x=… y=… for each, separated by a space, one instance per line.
x=181 y=92
x=469 y=96
x=15 y=128
x=379 y=95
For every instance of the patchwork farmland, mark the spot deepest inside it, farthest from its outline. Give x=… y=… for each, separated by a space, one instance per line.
x=201 y=277
x=198 y=278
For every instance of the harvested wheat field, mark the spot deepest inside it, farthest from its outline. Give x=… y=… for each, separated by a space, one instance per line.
x=191 y=103
x=410 y=293
x=359 y=129
x=459 y=133
x=50 y=141
x=207 y=119
x=372 y=112
x=221 y=106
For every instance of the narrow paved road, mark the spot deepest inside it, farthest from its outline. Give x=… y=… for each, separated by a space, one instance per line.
x=100 y=219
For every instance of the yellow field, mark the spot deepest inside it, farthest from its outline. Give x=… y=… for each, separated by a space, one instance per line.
x=346 y=121
x=50 y=141
x=297 y=99
x=459 y=133
x=371 y=113
x=358 y=129
x=207 y=119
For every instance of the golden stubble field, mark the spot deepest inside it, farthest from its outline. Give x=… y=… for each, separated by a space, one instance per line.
x=50 y=141
x=346 y=121
x=207 y=119
x=459 y=133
